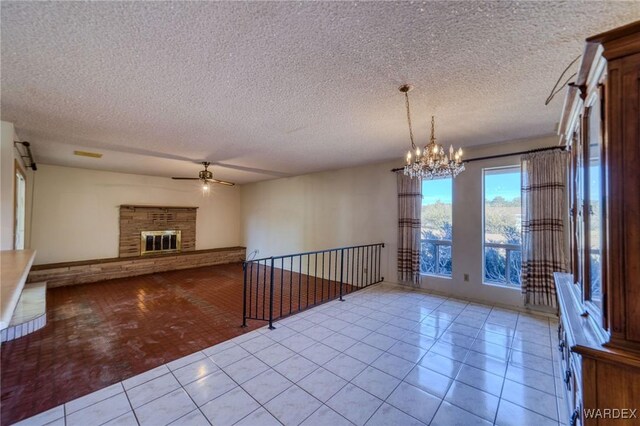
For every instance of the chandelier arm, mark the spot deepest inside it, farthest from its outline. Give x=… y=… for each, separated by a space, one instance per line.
x=406 y=96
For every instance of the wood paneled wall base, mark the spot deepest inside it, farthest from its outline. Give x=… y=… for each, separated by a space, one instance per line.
x=88 y=271
x=137 y=218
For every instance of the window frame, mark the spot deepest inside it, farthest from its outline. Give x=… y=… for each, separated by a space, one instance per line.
x=508 y=247
x=18 y=170
x=437 y=243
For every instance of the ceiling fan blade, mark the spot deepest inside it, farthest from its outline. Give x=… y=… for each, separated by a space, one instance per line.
x=184 y=178
x=221 y=182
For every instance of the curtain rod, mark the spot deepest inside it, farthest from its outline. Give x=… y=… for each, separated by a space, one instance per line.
x=27 y=154
x=490 y=157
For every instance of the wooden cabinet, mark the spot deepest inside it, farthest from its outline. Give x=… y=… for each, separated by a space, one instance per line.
x=599 y=300
x=571 y=374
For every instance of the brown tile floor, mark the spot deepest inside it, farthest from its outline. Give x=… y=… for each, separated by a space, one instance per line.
x=101 y=333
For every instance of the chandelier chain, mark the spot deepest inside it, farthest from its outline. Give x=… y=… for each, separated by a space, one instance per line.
x=433 y=129
x=406 y=97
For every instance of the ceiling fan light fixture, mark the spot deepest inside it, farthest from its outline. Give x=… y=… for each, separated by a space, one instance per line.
x=206 y=186
x=206 y=177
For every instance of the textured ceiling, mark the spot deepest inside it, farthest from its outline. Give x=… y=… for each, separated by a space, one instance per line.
x=281 y=86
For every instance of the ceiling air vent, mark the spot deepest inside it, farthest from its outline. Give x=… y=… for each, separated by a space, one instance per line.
x=87 y=154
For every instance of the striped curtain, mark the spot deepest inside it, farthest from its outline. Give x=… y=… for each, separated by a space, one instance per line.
x=409 y=209
x=544 y=177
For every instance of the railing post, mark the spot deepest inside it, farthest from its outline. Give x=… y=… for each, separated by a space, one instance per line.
x=341 y=272
x=271 y=327
x=507 y=267
x=244 y=295
x=382 y=278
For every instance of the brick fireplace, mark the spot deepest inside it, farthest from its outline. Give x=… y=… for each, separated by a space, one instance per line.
x=155 y=220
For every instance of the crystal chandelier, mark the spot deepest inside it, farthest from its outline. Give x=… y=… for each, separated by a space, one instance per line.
x=432 y=161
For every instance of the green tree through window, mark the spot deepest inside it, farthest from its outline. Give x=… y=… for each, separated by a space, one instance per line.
x=437 y=227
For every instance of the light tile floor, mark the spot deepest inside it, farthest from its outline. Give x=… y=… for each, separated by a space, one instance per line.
x=385 y=356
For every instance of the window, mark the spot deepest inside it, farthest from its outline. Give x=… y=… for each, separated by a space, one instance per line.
x=20 y=189
x=502 y=226
x=437 y=229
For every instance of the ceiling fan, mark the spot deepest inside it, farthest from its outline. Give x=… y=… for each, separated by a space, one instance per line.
x=206 y=177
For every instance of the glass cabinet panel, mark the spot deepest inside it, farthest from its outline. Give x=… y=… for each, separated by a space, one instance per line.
x=595 y=224
x=594 y=203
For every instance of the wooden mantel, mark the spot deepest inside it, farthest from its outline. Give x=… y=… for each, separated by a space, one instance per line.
x=15 y=269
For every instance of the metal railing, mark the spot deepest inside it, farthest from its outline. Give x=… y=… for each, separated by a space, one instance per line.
x=509 y=279
x=440 y=262
x=278 y=286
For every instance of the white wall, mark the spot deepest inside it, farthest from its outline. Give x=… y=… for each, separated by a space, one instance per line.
x=76 y=211
x=359 y=205
x=323 y=210
x=8 y=156
x=6 y=186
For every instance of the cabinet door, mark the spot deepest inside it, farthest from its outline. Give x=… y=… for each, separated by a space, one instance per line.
x=579 y=207
x=573 y=210
x=594 y=205
x=622 y=156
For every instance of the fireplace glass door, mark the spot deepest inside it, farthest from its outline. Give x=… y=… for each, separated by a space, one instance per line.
x=159 y=241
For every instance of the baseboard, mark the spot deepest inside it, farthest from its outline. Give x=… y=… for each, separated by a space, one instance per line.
x=522 y=309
